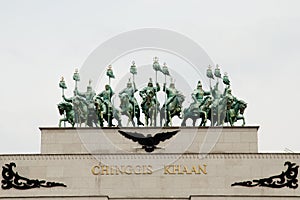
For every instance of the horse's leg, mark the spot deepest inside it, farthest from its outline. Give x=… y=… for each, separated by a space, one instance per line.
x=61 y=120
x=161 y=118
x=241 y=117
x=170 y=118
x=71 y=121
x=137 y=116
x=146 y=120
x=205 y=119
x=101 y=119
x=128 y=121
x=183 y=123
x=194 y=121
x=95 y=121
x=132 y=118
x=167 y=118
x=132 y=121
x=230 y=119
x=153 y=118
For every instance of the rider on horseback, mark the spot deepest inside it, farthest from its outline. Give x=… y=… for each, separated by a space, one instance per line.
x=88 y=95
x=149 y=91
x=89 y=98
x=172 y=92
x=130 y=90
x=230 y=98
x=199 y=93
x=79 y=106
x=106 y=96
x=198 y=97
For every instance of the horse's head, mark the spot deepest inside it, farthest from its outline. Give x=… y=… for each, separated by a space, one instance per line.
x=208 y=101
x=242 y=106
x=124 y=97
x=180 y=98
x=149 y=95
x=61 y=109
x=77 y=101
x=98 y=102
x=64 y=106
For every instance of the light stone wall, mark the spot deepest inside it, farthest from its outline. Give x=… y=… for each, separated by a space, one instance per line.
x=222 y=170
x=226 y=155
x=189 y=140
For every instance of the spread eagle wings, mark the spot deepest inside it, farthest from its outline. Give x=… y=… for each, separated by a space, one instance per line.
x=144 y=140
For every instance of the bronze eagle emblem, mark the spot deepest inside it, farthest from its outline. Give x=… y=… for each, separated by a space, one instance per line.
x=149 y=142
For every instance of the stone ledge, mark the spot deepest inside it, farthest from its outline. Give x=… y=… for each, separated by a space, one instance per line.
x=139 y=128
x=152 y=156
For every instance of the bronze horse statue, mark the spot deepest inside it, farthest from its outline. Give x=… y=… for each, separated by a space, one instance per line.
x=105 y=113
x=197 y=111
x=66 y=109
x=236 y=112
x=172 y=109
x=127 y=108
x=150 y=108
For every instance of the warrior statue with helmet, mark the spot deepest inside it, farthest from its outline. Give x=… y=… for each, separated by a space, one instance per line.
x=150 y=103
x=79 y=105
x=173 y=105
x=200 y=96
x=89 y=99
x=129 y=105
x=104 y=107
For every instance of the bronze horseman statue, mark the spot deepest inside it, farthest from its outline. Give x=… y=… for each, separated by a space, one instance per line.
x=150 y=104
x=92 y=110
x=173 y=105
x=129 y=105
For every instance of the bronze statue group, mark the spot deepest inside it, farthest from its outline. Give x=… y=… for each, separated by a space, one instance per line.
x=92 y=110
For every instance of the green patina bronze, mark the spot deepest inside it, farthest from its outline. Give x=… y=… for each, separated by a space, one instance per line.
x=219 y=107
x=105 y=109
x=66 y=109
x=150 y=104
x=173 y=105
x=194 y=111
x=129 y=105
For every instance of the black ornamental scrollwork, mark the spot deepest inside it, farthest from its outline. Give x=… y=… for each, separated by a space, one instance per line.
x=12 y=179
x=287 y=178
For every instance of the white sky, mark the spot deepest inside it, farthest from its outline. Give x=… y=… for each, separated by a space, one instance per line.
x=256 y=42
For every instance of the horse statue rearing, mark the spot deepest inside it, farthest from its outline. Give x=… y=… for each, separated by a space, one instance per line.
x=66 y=109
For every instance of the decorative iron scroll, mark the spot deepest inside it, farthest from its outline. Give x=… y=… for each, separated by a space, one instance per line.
x=285 y=179
x=12 y=179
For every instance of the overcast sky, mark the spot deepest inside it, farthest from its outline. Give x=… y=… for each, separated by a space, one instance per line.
x=256 y=42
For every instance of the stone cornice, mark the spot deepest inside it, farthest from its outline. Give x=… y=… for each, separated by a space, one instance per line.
x=145 y=128
x=150 y=156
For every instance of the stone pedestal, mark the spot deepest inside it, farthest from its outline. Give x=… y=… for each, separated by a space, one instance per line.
x=188 y=140
x=195 y=164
